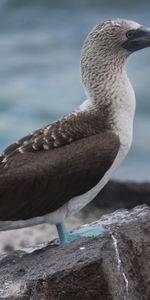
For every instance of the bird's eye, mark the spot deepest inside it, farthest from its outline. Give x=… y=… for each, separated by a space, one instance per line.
x=130 y=34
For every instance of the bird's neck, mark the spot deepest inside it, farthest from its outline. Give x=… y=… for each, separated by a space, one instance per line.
x=102 y=77
x=105 y=80
x=107 y=86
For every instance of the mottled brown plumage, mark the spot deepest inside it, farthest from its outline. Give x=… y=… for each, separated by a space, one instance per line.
x=64 y=131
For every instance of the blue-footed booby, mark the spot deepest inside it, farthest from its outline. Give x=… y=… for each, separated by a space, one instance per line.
x=58 y=169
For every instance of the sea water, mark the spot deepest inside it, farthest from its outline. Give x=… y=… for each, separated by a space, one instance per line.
x=40 y=43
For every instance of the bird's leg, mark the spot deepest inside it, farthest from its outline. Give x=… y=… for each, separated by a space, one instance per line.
x=66 y=237
x=62 y=233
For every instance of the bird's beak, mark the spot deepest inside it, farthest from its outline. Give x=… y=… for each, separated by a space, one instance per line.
x=139 y=40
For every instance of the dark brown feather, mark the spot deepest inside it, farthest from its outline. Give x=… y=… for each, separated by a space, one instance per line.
x=36 y=183
x=69 y=128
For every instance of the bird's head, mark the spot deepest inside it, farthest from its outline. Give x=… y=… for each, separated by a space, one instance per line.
x=119 y=37
x=107 y=46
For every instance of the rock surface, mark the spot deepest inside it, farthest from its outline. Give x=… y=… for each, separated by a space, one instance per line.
x=115 y=266
x=122 y=194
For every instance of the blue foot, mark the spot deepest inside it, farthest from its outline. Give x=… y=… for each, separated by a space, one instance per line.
x=65 y=237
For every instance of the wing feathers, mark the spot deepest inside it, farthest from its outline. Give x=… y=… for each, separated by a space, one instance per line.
x=34 y=184
x=62 y=132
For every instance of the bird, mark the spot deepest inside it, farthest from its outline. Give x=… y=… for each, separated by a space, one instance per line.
x=58 y=169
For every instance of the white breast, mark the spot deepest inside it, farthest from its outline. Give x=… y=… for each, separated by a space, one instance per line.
x=123 y=111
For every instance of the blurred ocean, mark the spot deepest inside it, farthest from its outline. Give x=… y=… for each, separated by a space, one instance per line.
x=40 y=42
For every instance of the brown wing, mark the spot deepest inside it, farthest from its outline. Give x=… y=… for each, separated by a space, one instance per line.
x=34 y=184
x=63 y=131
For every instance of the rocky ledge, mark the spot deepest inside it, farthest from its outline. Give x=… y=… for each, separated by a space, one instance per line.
x=114 y=266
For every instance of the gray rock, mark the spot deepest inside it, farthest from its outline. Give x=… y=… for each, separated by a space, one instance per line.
x=115 y=266
x=122 y=194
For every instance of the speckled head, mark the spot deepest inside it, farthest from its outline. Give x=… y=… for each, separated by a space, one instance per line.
x=105 y=50
x=119 y=36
